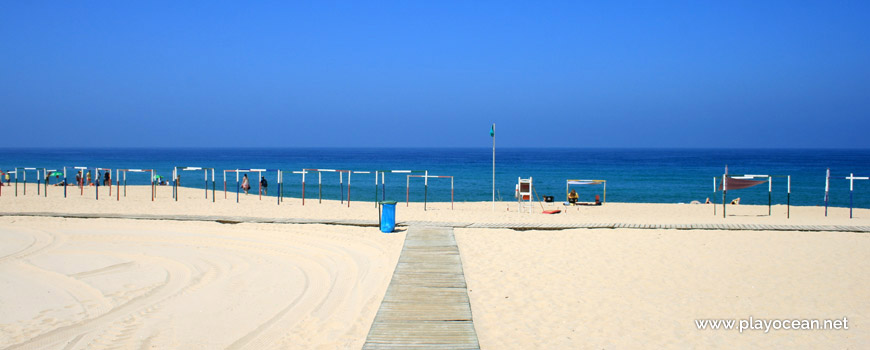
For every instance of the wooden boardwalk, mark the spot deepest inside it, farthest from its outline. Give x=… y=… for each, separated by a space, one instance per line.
x=426 y=305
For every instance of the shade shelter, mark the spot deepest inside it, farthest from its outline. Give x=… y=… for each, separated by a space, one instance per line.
x=383 y=181
x=426 y=178
x=48 y=174
x=80 y=182
x=569 y=183
x=97 y=179
x=737 y=182
x=23 y=171
x=176 y=180
x=123 y=173
x=341 y=173
x=278 y=176
x=851 y=179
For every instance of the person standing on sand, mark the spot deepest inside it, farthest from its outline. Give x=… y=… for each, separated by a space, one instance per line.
x=89 y=178
x=245 y=185
x=263 y=184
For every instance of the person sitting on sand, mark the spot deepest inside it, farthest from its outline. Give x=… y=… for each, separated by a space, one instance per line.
x=245 y=185
x=736 y=201
x=572 y=197
x=107 y=179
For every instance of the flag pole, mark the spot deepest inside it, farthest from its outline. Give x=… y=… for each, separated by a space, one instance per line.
x=492 y=133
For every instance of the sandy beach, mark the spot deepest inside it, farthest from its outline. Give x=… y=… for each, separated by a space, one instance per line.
x=93 y=283
x=86 y=284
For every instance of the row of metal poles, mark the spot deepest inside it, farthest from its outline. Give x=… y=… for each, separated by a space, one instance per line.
x=121 y=178
x=81 y=182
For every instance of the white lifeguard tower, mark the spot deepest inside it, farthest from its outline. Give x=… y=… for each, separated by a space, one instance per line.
x=524 y=194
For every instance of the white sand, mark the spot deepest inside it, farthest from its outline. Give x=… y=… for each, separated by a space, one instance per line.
x=183 y=285
x=643 y=289
x=142 y=283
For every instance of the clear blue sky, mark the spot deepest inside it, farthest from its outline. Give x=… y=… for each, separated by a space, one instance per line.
x=433 y=73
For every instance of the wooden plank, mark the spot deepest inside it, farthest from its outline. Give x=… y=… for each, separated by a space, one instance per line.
x=426 y=305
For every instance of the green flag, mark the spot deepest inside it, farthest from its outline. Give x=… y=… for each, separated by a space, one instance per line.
x=492 y=131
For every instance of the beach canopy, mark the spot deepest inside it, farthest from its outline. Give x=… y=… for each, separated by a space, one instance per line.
x=568 y=184
x=734 y=183
x=585 y=182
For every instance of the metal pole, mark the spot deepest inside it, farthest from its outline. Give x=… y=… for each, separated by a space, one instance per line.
x=212 y=185
x=152 y=185
x=303 y=186
x=714 y=198
x=125 y=184
x=769 y=191
x=788 y=200
x=376 y=189
x=225 y=184
x=237 y=185
x=724 y=192
x=426 y=188
x=407 y=190
x=493 y=167
x=319 y=187
x=341 y=186
x=383 y=186
x=451 y=193
x=348 y=188
x=827 y=187
x=205 y=179
x=117 y=180
x=175 y=183
x=851 y=188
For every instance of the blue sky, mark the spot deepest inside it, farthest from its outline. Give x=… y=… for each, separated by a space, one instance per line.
x=761 y=74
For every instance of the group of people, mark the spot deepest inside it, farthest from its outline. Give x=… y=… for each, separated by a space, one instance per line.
x=107 y=181
x=86 y=179
x=246 y=185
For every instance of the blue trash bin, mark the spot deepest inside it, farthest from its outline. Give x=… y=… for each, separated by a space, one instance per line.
x=388 y=216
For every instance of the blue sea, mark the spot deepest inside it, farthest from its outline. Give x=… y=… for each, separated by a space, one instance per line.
x=633 y=175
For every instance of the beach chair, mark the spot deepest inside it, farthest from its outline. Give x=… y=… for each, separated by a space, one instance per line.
x=524 y=194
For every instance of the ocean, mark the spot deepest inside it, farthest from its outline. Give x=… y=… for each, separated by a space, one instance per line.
x=633 y=175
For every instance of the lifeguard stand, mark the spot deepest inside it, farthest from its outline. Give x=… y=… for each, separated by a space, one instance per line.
x=524 y=194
